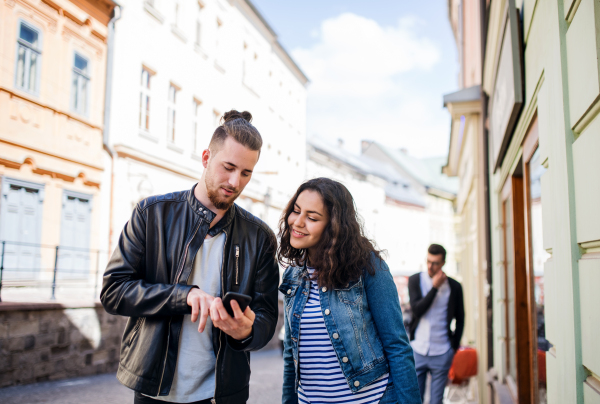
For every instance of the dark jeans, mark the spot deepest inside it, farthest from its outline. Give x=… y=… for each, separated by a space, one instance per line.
x=142 y=399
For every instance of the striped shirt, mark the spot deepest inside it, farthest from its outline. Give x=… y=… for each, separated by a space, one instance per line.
x=321 y=377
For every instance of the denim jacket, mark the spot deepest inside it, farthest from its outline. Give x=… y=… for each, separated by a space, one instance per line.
x=367 y=319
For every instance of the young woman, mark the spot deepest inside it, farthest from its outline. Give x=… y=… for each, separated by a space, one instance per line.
x=345 y=341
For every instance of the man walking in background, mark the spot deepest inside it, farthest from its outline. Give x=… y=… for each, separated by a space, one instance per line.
x=177 y=256
x=435 y=300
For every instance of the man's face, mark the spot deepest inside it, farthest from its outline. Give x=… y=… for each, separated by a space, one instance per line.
x=228 y=172
x=434 y=264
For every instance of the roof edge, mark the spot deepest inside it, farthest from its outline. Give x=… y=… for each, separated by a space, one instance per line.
x=278 y=45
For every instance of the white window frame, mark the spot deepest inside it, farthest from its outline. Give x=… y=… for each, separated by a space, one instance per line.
x=29 y=49
x=196 y=105
x=81 y=109
x=176 y=20
x=145 y=98
x=172 y=113
x=216 y=118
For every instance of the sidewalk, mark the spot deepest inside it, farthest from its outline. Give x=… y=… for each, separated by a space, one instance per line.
x=265 y=387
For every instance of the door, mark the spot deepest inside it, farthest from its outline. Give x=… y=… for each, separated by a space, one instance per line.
x=74 y=254
x=517 y=315
x=20 y=228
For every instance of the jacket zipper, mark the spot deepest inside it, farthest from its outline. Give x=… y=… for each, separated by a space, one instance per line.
x=237 y=267
x=214 y=399
x=162 y=376
x=136 y=328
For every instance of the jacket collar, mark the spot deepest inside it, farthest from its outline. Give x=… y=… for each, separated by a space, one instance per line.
x=209 y=215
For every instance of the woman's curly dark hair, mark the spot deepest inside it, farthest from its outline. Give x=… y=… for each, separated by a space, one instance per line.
x=343 y=251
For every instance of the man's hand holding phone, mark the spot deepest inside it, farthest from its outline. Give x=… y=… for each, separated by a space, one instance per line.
x=238 y=326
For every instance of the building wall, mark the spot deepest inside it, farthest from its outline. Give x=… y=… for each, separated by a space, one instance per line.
x=43 y=342
x=234 y=64
x=440 y=219
x=400 y=229
x=561 y=88
x=464 y=16
x=42 y=139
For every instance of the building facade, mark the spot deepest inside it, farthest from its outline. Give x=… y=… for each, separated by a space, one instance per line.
x=541 y=76
x=52 y=85
x=178 y=66
x=436 y=189
x=393 y=212
x=467 y=162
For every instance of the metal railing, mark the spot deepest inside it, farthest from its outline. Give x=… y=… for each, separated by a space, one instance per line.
x=28 y=265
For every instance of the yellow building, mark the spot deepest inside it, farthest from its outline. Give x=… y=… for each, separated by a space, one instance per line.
x=52 y=84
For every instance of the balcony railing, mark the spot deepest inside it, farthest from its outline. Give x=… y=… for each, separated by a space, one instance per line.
x=37 y=268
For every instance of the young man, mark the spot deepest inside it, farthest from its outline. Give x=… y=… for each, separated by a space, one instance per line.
x=176 y=258
x=435 y=301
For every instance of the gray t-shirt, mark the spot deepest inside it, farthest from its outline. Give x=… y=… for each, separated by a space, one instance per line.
x=195 y=371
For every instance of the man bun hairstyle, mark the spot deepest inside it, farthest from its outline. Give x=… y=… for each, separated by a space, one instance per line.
x=237 y=125
x=436 y=249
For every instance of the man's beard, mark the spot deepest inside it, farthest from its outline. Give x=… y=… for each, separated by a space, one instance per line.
x=218 y=201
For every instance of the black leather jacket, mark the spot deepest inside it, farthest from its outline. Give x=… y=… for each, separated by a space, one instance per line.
x=146 y=280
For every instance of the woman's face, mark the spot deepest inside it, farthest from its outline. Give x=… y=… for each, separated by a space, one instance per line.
x=308 y=220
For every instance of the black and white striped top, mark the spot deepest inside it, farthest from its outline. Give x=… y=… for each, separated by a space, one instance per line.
x=321 y=377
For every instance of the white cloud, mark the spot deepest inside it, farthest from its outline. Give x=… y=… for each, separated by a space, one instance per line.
x=360 y=85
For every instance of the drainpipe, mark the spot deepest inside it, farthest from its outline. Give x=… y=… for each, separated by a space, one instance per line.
x=483 y=10
x=107 y=102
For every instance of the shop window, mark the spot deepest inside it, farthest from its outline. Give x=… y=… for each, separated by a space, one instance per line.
x=536 y=258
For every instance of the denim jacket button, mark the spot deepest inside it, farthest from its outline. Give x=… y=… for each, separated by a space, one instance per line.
x=357 y=383
x=289 y=292
x=324 y=289
x=327 y=312
x=345 y=359
x=335 y=335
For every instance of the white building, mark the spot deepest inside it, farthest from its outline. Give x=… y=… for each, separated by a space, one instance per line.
x=178 y=66
x=437 y=189
x=393 y=211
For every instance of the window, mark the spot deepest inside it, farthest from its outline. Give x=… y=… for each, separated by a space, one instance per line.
x=198 y=32
x=29 y=54
x=196 y=111
x=81 y=84
x=199 y=25
x=74 y=254
x=177 y=13
x=21 y=215
x=171 y=113
x=145 y=100
x=216 y=118
x=220 y=47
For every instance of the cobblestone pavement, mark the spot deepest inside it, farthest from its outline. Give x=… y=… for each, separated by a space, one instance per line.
x=265 y=387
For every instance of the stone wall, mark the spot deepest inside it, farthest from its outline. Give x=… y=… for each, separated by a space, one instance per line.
x=48 y=341
x=43 y=341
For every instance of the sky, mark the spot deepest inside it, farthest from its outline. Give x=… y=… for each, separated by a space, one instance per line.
x=377 y=69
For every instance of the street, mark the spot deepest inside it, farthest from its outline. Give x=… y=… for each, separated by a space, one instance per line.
x=265 y=387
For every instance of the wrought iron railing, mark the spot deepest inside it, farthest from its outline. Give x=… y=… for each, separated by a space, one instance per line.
x=28 y=265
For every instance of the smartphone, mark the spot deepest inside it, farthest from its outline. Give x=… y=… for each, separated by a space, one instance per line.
x=243 y=301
